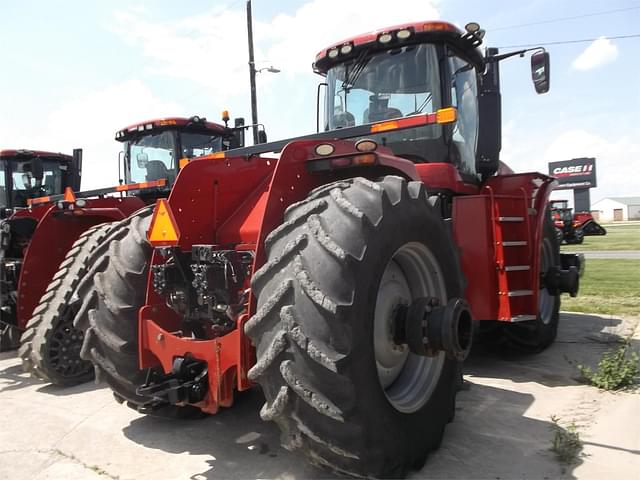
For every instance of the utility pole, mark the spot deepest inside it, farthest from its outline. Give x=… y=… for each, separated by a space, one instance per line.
x=252 y=76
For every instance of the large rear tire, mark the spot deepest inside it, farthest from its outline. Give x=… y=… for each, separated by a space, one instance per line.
x=341 y=391
x=50 y=345
x=113 y=292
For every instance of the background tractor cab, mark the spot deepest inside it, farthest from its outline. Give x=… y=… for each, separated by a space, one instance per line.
x=157 y=149
x=27 y=174
x=411 y=69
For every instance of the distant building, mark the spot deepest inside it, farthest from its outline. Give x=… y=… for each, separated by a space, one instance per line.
x=616 y=209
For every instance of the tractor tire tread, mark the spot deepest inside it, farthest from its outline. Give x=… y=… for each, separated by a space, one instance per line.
x=53 y=310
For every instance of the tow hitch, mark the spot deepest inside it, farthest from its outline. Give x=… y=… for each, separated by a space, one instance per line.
x=187 y=382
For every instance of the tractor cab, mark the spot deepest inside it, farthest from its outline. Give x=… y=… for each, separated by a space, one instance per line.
x=28 y=174
x=560 y=212
x=413 y=69
x=157 y=149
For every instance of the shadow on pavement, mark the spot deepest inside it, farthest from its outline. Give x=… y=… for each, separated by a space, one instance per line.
x=490 y=438
x=62 y=391
x=240 y=444
x=582 y=339
x=12 y=377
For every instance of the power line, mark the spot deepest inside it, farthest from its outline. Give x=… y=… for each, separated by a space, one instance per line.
x=564 y=42
x=562 y=19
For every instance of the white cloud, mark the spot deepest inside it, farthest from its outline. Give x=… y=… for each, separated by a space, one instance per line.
x=600 y=52
x=210 y=49
x=616 y=160
x=207 y=53
x=90 y=122
x=531 y=149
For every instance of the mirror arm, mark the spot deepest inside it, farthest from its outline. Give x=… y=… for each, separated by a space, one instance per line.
x=497 y=58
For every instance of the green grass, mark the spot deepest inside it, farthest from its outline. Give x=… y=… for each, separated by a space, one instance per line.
x=608 y=286
x=618 y=237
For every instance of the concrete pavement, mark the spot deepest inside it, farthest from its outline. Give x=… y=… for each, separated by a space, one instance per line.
x=502 y=427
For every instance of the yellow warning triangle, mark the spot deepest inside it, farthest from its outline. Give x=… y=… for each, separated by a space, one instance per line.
x=164 y=230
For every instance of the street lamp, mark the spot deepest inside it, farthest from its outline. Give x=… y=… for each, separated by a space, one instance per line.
x=252 y=75
x=270 y=69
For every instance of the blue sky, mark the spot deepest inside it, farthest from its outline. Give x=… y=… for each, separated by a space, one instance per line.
x=76 y=71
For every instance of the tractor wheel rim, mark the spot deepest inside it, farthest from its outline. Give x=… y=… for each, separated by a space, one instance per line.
x=64 y=350
x=408 y=380
x=545 y=299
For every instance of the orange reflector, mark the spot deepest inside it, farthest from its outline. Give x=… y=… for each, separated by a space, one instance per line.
x=69 y=196
x=167 y=122
x=384 y=126
x=215 y=155
x=37 y=201
x=164 y=231
x=446 y=115
x=365 y=159
x=406 y=122
x=225 y=115
x=437 y=26
x=183 y=162
x=138 y=186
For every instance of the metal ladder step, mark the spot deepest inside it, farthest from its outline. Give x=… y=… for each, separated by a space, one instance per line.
x=510 y=219
x=523 y=318
x=515 y=243
x=520 y=293
x=516 y=268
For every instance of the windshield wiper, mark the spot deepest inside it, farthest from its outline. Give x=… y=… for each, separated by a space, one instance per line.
x=358 y=68
x=423 y=104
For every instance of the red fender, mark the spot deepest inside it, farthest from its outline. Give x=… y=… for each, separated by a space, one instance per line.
x=53 y=237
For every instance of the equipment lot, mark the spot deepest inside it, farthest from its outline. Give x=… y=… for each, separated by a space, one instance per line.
x=502 y=427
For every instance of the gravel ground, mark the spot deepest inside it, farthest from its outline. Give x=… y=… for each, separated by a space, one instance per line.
x=502 y=427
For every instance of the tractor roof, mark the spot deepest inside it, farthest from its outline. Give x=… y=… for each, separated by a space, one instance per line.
x=419 y=32
x=25 y=153
x=195 y=123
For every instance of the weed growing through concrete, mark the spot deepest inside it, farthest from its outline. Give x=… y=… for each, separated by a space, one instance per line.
x=566 y=443
x=618 y=368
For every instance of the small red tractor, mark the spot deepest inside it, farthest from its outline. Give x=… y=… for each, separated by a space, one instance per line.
x=572 y=228
x=344 y=277
x=45 y=246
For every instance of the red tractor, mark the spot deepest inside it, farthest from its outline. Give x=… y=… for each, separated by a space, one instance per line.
x=64 y=228
x=24 y=175
x=572 y=228
x=345 y=276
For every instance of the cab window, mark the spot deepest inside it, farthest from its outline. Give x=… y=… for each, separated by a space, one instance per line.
x=464 y=96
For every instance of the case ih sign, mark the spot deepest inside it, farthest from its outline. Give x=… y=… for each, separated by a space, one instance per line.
x=576 y=173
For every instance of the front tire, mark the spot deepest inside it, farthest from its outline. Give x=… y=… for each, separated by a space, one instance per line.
x=340 y=390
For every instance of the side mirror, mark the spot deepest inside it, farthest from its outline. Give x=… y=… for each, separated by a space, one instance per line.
x=540 y=71
x=76 y=170
x=237 y=141
x=142 y=159
x=262 y=136
x=37 y=171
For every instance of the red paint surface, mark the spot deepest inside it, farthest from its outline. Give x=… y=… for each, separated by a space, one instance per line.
x=53 y=237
